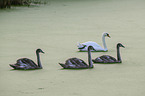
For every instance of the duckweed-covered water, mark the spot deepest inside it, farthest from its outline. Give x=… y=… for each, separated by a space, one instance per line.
x=56 y=28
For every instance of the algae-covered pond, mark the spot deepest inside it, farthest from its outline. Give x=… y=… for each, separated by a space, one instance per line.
x=56 y=28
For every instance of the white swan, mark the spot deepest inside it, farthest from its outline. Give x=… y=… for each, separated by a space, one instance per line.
x=97 y=47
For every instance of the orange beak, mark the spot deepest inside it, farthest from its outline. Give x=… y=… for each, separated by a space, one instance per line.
x=108 y=35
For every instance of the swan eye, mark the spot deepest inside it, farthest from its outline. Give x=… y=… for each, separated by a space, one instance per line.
x=108 y=35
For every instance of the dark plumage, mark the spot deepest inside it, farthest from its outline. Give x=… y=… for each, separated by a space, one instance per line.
x=110 y=59
x=25 y=63
x=75 y=63
x=105 y=59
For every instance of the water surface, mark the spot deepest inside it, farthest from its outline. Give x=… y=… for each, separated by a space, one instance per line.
x=56 y=28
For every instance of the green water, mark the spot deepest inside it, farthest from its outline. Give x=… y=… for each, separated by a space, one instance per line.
x=56 y=28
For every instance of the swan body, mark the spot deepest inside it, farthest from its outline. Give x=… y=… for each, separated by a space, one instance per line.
x=25 y=63
x=106 y=59
x=96 y=47
x=110 y=59
x=76 y=63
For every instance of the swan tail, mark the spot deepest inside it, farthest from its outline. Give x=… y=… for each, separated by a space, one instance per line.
x=79 y=44
x=63 y=65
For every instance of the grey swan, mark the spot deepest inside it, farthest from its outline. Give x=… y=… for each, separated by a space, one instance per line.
x=75 y=63
x=110 y=59
x=25 y=63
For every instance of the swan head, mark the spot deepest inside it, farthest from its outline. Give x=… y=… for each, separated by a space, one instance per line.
x=106 y=34
x=120 y=45
x=91 y=48
x=39 y=51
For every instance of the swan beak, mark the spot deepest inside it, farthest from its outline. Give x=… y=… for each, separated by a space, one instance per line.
x=122 y=46
x=42 y=52
x=108 y=35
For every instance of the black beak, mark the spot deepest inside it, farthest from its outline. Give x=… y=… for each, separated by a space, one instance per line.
x=42 y=52
x=123 y=46
x=108 y=35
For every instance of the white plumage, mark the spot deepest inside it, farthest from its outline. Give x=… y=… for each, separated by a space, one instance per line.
x=97 y=47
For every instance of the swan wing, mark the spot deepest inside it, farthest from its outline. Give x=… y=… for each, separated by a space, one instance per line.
x=96 y=46
x=105 y=59
x=74 y=63
x=27 y=61
x=91 y=43
x=108 y=59
x=24 y=63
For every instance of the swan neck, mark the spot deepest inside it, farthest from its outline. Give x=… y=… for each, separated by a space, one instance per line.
x=104 y=42
x=90 y=59
x=38 y=60
x=118 y=54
